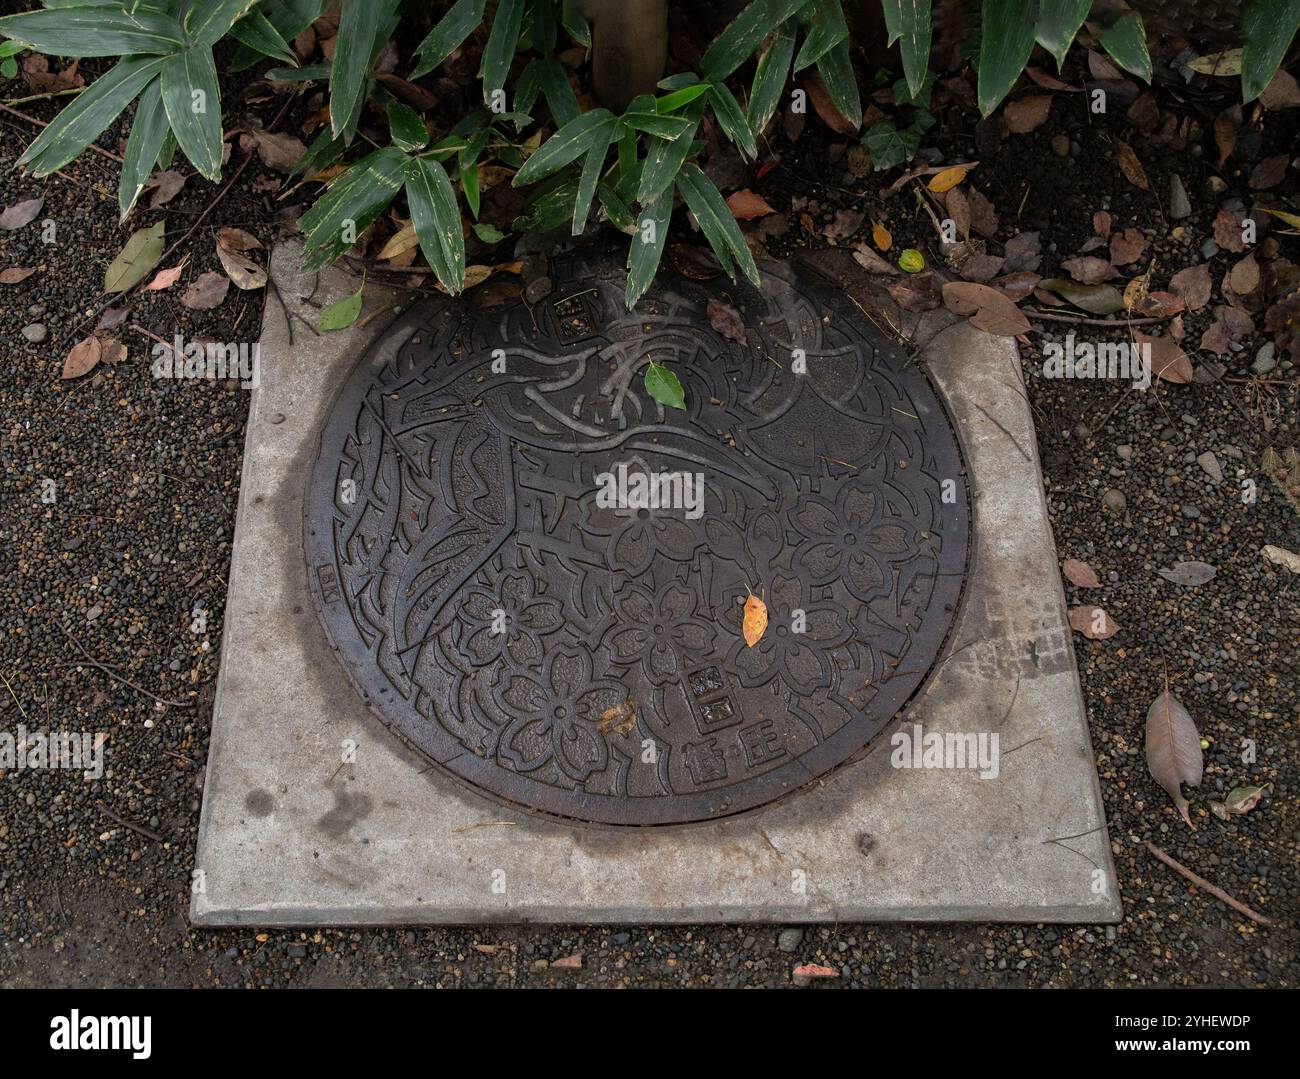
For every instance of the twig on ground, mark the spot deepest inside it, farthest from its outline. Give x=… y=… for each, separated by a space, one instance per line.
x=1201 y=882
x=148 y=833
x=91 y=661
x=1080 y=320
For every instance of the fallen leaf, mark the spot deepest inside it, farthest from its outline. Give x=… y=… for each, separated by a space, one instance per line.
x=949 y=178
x=1226 y=63
x=20 y=213
x=1080 y=574
x=111 y=350
x=987 y=308
x=1016 y=286
x=1092 y=622
x=1101 y=224
x=911 y=260
x=84 y=357
x=403 y=240
x=278 y=150
x=724 y=318
x=1097 y=299
x=618 y=719
x=745 y=205
x=1280 y=556
x=1173 y=747
x=1023 y=252
x=243 y=271
x=1127 y=246
x=1188 y=574
x=341 y=313
x=815 y=970
x=1238 y=801
x=915 y=292
x=1244 y=277
x=166 y=186
x=1225 y=133
x=1130 y=166
x=14 y=274
x=844 y=224
x=1026 y=114
x=1282 y=92
x=164 y=279
x=1087 y=269
x=755 y=620
x=1227 y=231
x=1168 y=361
x=1269 y=172
x=140 y=255
x=825 y=107
x=206 y=292
x=1192 y=286
x=881 y=236
x=981 y=268
x=983 y=217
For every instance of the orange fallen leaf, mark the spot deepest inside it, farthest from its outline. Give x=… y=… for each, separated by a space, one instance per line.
x=949 y=178
x=881 y=236
x=755 y=621
x=745 y=205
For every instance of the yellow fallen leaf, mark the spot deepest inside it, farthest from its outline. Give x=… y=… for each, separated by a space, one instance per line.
x=755 y=621
x=400 y=242
x=881 y=236
x=1291 y=219
x=1227 y=62
x=949 y=178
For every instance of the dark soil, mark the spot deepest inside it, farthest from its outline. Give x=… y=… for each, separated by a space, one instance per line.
x=147 y=475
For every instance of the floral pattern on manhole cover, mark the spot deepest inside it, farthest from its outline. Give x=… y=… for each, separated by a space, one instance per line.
x=536 y=574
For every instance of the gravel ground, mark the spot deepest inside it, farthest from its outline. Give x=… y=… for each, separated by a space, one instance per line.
x=146 y=477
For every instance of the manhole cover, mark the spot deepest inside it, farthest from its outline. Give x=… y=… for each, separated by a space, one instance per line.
x=535 y=574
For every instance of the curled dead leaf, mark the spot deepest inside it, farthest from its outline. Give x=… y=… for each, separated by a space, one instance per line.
x=755 y=620
x=1080 y=574
x=83 y=358
x=1093 y=622
x=1173 y=748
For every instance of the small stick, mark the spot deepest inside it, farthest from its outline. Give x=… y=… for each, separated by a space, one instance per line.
x=148 y=833
x=113 y=674
x=1201 y=882
x=1081 y=321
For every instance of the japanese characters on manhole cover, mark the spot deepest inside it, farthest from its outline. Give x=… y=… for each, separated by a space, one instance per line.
x=536 y=574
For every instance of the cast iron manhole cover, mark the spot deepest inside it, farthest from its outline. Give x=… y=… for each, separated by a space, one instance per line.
x=535 y=574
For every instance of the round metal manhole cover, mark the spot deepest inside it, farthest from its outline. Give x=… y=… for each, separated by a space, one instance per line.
x=536 y=574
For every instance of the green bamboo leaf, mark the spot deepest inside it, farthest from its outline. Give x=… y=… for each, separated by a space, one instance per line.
x=95 y=31
x=743 y=35
x=836 y=70
x=324 y=150
x=137 y=258
x=679 y=98
x=716 y=221
x=436 y=217
x=591 y=170
x=207 y=21
x=351 y=203
x=664 y=159
x=827 y=29
x=1126 y=41
x=616 y=208
x=341 y=313
x=550 y=206
x=405 y=127
x=568 y=144
x=731 y=118
x=257 y=32
x=908 y=21
x=148 y=130
x=1058 y=24
x=647 y=246
x=664 y=386
x=665 y=127
x=358 y=27
x=193 y=102
x=500 y=48
x=452 y=30
x=1007 y=38
x=77 y=126
x=542 y=30
x=575 y=22
x=469 y=184
x=311 y=73
x=769 y=80
x=1267 y=29
x=560 y=98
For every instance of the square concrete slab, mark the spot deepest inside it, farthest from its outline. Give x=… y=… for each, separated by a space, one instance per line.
x=315 y=814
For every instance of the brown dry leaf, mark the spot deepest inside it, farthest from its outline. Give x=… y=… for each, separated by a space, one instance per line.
x=1088 y=270
x=987 y=308
x=981 y=268
x=1101 y=224
x=825 y=107
x=983 y=217
x=745 y=205
x=1101 y=68
x=84 y=357
x=949 y=178
x=1127 y=246
x=1269 y=172
x=958 y=207
x=1239 y=800
x=165 y=185
x=916 y=292
x=278 y=149
x=402 y=241
x=164 y=279
x=815 y=970
x=1225 y=136
x=1130 y=166
x=476 y=275
x=1227 y=231
x=1135 y=292
x=844 y=224
x=1282 y=92
x=1192 y=286
x=1168 y=361
x=208 y=291
x=1092 y=622
x=243 y=271
x=111 y=350
x=724 y=318
x=755 y=620
x=1080 y=574
x=881 y=236
x=1023 y=252
x=1244 y=277
x=1173 y=747
x=1016 y=286
x=618 y=719
x=1026 y=114
x=20 y=213
x=14 y=274
x=1158 y=304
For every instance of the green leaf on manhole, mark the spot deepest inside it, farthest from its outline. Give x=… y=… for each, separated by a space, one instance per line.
x=664 y=387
